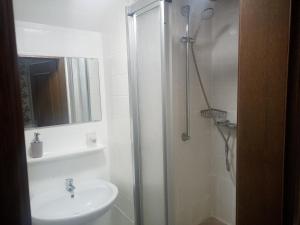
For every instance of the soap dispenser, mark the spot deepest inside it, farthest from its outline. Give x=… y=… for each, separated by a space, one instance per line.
x=36 y=150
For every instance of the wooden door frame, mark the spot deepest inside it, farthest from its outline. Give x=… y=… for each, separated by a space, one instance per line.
x=262 y=93
x=14 y=200
x=292 y=152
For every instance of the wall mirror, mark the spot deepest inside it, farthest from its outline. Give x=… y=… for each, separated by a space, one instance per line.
x=57 y=91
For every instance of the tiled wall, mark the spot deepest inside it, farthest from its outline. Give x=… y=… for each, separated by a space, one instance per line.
x=203 y=187
x=42 y=40
x=119 y=125
x=224 y=80
x=114 y=84
x=192 y=200
x=116 y=81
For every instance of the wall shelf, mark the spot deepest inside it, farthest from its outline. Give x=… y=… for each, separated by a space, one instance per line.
x=55 y=156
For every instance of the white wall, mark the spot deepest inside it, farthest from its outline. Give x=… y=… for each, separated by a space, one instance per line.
x=224 y=80
x=203 y=187
x=116 y=72
x=94 y=15
x=108 y=18
x=192 y=182
x=42 y=40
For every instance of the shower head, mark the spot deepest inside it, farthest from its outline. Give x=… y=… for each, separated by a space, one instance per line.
x=185 y=10
x=207 y=13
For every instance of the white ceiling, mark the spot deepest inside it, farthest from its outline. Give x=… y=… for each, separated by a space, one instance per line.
x=79 y=14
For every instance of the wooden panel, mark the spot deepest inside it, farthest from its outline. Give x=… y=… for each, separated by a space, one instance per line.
x=58 y=92
x=49 y=93
x=292 y=161
x=14 y=197
x=263 y=72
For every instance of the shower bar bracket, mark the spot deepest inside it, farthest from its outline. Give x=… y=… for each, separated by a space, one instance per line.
x=186 y=40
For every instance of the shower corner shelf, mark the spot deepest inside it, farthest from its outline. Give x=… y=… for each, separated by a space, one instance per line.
x=227 y=124
x=220 y=116
x=216 y=113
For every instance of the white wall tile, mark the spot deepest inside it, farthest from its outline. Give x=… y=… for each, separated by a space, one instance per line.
x=224 y=96
x=43 y=40
x=116 y=74
x=119 y=85
x=192 y=164
x=120 y=106
x=201 y=181
x=38 y=39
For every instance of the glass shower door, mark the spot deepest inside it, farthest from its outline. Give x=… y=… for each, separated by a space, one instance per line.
x=148 y=93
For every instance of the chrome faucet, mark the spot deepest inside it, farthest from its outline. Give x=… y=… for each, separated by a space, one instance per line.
x=70 y=186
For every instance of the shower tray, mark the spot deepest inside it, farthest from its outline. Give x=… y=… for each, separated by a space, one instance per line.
x=212 y=221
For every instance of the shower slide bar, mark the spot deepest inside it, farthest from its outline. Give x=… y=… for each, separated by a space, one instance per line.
x=187 y=40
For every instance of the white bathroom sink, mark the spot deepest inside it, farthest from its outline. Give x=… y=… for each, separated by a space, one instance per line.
x=56 y=207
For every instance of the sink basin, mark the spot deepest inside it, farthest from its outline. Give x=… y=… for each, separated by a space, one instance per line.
x=91 y=200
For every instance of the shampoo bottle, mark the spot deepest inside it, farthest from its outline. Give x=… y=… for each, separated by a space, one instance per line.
x=36 y=150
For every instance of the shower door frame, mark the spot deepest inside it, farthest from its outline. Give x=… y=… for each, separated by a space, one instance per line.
x=132 y=11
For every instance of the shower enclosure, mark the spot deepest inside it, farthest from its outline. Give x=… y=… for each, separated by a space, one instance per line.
x=149 y=105
x=183 y=97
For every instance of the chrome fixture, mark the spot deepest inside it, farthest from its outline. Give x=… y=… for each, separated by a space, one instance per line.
x=207 y=13
x=187 y=40
x=227 y=124
x=211 y=110
x=70 y=186
x=185 y=11
x=221 y=117
x=218 y=116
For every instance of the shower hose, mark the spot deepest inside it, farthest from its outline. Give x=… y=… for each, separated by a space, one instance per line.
x=224 y=137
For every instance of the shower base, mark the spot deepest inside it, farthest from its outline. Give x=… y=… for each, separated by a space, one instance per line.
x=212 y=221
